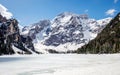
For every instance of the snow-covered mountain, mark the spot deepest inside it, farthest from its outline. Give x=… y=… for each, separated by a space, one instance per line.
x=66 y=32
x=36 y=29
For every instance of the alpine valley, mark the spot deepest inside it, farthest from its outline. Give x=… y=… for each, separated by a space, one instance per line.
x=66 y=33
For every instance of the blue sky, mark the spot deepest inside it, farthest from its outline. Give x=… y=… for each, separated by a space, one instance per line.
x=31 y=11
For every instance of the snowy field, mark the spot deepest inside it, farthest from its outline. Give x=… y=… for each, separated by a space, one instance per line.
x=60 y=64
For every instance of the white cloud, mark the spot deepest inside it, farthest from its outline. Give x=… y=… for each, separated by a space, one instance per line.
x=115 y=1
x=4 y=12
x=110 y=12
x=86 y=11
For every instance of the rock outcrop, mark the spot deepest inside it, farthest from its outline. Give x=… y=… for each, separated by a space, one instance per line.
x=10 y=37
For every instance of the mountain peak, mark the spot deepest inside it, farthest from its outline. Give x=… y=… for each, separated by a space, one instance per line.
x=4 y=12
x=67 y=18
x=72 y=14
x=65 y=13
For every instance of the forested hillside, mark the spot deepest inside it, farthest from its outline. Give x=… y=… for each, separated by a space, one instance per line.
x=108 y=41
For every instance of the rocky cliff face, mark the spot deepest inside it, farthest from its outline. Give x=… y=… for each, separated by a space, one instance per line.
x=11 y=38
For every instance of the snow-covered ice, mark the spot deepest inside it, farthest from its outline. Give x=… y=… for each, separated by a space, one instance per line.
x=60 y=64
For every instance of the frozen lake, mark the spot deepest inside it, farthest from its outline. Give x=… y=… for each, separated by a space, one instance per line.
x=60 y=64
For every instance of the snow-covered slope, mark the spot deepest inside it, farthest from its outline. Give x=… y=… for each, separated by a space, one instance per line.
x=70 y=64
x=4 y=12
x=66 y=32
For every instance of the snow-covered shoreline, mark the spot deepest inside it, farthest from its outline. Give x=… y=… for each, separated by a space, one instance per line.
x=60 y=64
